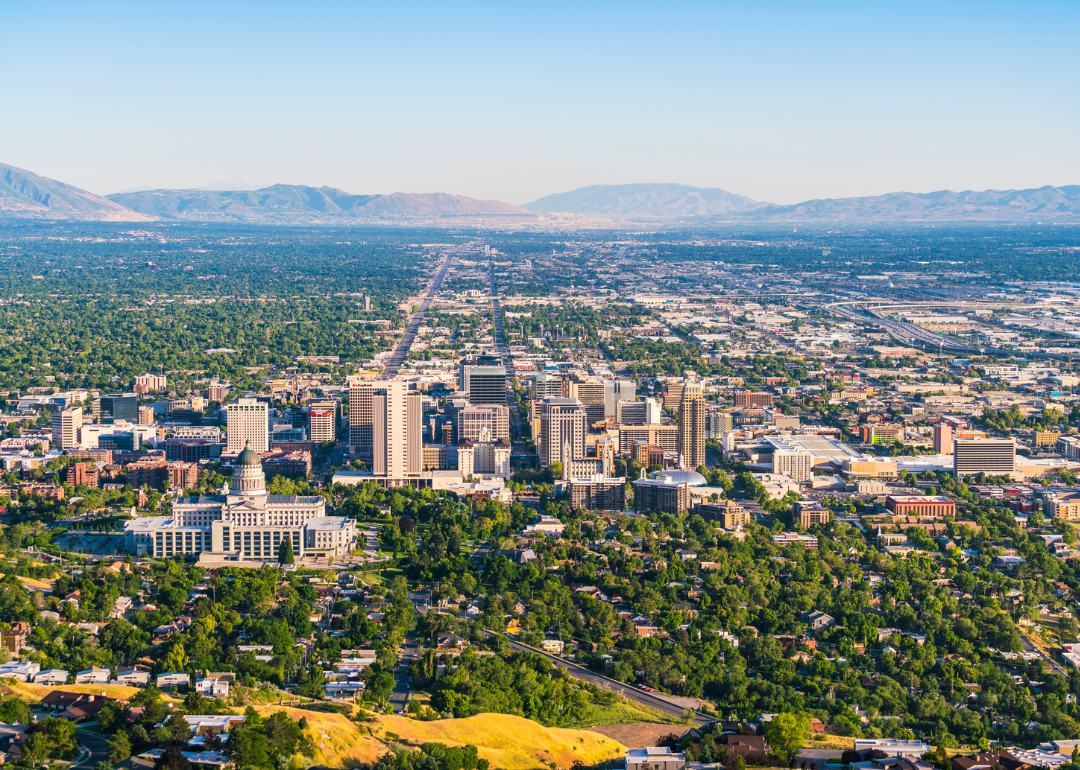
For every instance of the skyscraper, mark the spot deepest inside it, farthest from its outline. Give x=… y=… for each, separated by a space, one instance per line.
x=322 y=421
x=692 y=425
x=249 y=425
x=397 y=428
x=118 y=406
x=67 y=428
x=562 y=430
x=487 y=385
x=361 y=395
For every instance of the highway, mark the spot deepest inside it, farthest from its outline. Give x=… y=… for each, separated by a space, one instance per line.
x=652 y=700
x=401 y=351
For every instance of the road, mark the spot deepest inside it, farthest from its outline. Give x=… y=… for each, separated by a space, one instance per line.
x=401 y=351
x=99 y=748
x=1030 y=647
x=499 y=336
x=402 y=693
x=652 y=700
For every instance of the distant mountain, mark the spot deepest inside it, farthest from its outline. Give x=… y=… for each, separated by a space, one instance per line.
x=283 y=203
x=1043 y=203
x=671 y=201
x=25 y=194
x=632 y=201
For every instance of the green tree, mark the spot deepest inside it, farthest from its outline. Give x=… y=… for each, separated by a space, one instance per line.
x=119 y=748
x=786 y=733
x=285 y=552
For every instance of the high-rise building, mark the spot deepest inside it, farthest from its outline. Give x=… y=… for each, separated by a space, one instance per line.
x=150 y=383
x=591 y=393
x=483 y=423
x=718 y=423
x=562 y=430
x=397 y=429
x=992 y=456
x=943 y=438
x=630 y=413
x=248 y=421
x=794 y=463
x=67 y=428
x=673 y=392
x=118 y=406
x=487 y=385
x=217 y=391
x=322 y=421
x=616 y=391
x=361 y=419
x=546 y=385
x=146 y=415
x=661 y=495
x=692 y=425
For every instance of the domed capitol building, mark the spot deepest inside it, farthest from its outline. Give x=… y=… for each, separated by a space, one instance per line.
x=243 y=523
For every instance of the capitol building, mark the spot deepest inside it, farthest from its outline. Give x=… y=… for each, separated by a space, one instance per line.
x=243 y=523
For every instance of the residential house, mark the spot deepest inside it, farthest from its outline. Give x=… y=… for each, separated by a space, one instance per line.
x=174 y=680
x=52 y=677
x=133 y=676
x=93 y=675
x=212 y=688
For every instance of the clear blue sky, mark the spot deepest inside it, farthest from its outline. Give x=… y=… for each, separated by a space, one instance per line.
x=779 y=101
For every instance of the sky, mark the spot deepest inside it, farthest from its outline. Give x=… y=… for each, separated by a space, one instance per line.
x=779 y=101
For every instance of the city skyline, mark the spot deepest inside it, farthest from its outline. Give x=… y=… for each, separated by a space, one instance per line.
x=783 y=104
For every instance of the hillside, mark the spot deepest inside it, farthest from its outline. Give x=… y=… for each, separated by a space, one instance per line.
x=282 y=203
x=645 y=200
x=26 y=194
x=508 y=742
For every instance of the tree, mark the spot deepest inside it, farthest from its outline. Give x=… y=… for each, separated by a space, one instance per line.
x=119 y=748
x=285 y=552
x=786 y=733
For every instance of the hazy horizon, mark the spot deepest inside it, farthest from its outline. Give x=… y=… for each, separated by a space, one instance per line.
x=781 y=103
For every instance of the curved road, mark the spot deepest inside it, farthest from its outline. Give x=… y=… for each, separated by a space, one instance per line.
x=99 y=748
x=649 y=699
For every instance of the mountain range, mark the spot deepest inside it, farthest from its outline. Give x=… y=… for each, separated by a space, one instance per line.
x=28 y=195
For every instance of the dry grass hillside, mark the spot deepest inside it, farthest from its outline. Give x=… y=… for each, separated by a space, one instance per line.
x=508 y=742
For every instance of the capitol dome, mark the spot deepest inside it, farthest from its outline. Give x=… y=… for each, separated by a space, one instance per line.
x=248 y=478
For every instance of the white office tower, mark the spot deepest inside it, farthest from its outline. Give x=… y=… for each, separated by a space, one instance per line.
x=484 y=460
x=562 y=422
x=361 y=418
x=67 y=428
x=653 y=410
x=796 y=464
x=249 y=426
x=396 y=430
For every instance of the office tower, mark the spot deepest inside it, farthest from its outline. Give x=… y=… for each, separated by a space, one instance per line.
x=796 y=464
x=653 y=411
x=322 y=421
x=991 y=456
x=468 y=364
x=562 y=430
x=397 y=427
x=591 y=393
x=150 y=383
x=546 y=385
x=692 y=425
x=616 y=391
x=249 y=426
x=718 y=423
x=487 y=385
x=943 y=438
x=118 y=406
x=367 y=303
x=630 y=413
x=67 y=428
x=217 y=391
x=146 y=415
x=361 y=417
x=483 y=423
